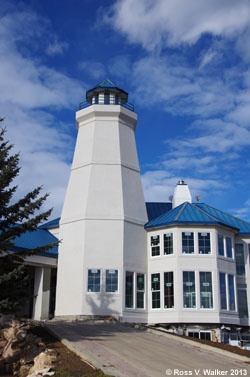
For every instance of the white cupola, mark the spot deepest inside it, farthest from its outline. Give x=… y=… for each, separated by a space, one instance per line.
x=181 y=194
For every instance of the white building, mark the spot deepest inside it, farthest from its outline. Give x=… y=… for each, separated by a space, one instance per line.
x=175 y=263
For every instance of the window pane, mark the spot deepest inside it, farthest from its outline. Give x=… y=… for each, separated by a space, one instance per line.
x=111 y=280
x=140 y=291
x=221 y=244
x=242 y=300
x=94 y=280
x=97 y=99
x=129 y=294
x=155 y=288
x=231 y=292
x=223 y=294
x=188 y=243
x=229 y=247
x=204 y=243
x=168 y=290
x=240 y=260
x=168 y=243
x=155 y=246
x=189 y=296
x=206 y=290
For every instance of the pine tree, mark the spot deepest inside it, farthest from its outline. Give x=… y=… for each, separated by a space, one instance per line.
x=16 y=218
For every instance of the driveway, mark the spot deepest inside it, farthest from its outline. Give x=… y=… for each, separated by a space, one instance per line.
x=123 y=351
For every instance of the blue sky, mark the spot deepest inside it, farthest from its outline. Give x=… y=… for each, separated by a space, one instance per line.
x=184 y=63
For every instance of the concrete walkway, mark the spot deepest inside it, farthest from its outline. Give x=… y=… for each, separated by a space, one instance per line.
x=123 y=351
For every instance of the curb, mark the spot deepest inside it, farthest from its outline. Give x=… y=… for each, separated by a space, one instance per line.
x=199 y=345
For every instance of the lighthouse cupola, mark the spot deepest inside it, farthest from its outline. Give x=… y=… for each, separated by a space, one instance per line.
x=106 y=93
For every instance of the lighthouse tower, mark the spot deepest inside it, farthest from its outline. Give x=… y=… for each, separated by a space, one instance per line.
x=102 y=224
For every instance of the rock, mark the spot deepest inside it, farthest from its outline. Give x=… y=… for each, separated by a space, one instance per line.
x=24 y=370
x=29 y=353
x=3 y=343
x=43 y=360
x=9 y=333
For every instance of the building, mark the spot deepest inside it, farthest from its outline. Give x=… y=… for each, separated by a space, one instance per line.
x=180 y=263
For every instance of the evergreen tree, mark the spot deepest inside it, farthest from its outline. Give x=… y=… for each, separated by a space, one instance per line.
x=16 y=218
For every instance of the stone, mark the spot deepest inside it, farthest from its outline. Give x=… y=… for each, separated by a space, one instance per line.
x=24 y=370
x=43 y=360
x=9 y=333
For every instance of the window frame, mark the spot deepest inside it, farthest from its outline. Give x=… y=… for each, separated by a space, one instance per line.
x=155 y=290
x=100 y=280
x=229 y=247
x=140 y=290
x=200 y=240
x=200 y=291
x=170 y=243
x=158 y=246
x=238 y=260
x=188 y=246
x=166 y=273
x=117 y=278
x=220 y=290
x=221 y=236
x=133 y=285
x=195 y=290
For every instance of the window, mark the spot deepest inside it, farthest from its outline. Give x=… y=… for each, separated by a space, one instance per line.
x=156 y=291
x=242 y=300
x=204 y=243
x=129 y=290
x=168 y=290
x=189 y=296
x=229 y=247
x=231 y=292
x=206 y=290
x=94 y=280
x=96 y=98
x=239 y=258
x=106 y=98
x=221 y=245
x=187 y=243
x=111 y=281
x=155 y=246
x=168 y=243
x=140 y=291
x=223 y=293
x=206 y=335
x=116 y=99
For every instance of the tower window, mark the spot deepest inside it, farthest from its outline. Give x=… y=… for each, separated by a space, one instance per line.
x=106 y=98
x=168 y=243
x=188 y=243
x=96 y=98
x=204 y=243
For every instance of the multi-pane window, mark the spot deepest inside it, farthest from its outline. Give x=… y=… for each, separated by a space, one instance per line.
x=156 y=291
x=206 y=290
x=239 y=258
x=242 y=300
x=111 y=281
x=155 y=245
x=231 y=292
x=94 y=280
x=168 y=290
x=168 y=243
x=189 y=296
x=96 y=98
x=229 y=247
x=204 y=243
x=140 y=291
x=223 y=292
x=221 y=245
x=187 y=242
x=129 y=290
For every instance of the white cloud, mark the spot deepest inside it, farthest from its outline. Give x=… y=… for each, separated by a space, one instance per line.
x=31 y=94
x=95 y=69
x=56 y=48
x=156 y=24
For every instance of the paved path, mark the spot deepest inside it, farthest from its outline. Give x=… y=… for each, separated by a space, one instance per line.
x=122 y=351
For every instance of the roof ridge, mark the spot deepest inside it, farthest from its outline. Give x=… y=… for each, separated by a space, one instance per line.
x=201 y=210
x=182 y=209
x=228 y=214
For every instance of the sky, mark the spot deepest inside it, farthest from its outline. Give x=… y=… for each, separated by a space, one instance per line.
x=184 y=63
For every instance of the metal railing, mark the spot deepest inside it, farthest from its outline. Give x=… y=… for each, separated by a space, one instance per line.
x=127 y=105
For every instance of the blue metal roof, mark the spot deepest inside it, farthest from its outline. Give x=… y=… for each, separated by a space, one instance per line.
x=199 y=213
x=38 y=238
x=50 y=224
x=155 y=209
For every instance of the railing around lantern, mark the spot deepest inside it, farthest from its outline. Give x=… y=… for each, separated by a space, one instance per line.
x=85 y=104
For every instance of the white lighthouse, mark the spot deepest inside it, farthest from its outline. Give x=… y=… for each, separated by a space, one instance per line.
x=102 y=224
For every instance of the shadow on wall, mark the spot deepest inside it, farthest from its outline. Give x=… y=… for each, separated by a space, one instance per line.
x=102 y=305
